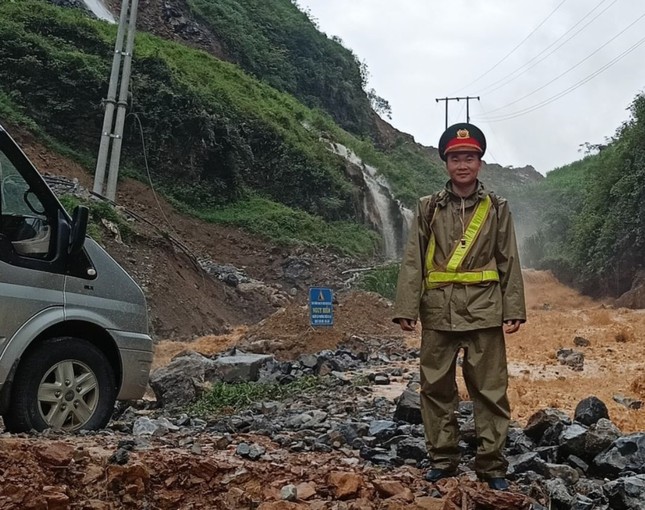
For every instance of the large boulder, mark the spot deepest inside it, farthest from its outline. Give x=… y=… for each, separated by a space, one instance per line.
x=590 y=410
x=183 y=379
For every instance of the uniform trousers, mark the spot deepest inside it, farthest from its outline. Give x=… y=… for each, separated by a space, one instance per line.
x=486 y=376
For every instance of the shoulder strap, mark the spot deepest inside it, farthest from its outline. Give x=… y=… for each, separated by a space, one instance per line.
x=494 y=199
x=432 y=207
x=434 y=200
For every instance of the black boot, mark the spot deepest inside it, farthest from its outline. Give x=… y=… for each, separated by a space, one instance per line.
x=498 y=484
x=434 y=475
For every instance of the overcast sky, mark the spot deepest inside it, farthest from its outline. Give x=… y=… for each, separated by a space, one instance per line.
x=511 y=53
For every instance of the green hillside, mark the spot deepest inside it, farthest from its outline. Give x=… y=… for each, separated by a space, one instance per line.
x=215 y=136
x=591 y=216
x=277 y=43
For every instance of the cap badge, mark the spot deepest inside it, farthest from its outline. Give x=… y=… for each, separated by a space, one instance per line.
x=463 y=133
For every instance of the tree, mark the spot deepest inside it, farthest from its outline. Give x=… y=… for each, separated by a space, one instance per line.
x=379 y=105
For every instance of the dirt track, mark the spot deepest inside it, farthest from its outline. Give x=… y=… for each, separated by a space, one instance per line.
x=556 y=315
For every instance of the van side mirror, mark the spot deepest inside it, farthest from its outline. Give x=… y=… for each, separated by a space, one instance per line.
x=78 y=231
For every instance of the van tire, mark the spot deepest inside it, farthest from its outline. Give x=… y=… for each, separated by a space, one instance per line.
x=63 y=383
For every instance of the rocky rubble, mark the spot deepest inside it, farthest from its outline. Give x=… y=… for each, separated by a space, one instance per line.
x=554 y=461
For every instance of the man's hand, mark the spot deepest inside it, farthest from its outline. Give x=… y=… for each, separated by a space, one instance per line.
x=407 y=324
x=512 y=326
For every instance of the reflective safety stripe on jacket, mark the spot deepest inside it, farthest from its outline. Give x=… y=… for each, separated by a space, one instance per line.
x=452 y=273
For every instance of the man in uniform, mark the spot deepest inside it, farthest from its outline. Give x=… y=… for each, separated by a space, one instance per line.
x=461 y=276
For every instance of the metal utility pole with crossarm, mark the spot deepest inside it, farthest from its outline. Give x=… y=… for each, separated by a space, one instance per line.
x=467 y=98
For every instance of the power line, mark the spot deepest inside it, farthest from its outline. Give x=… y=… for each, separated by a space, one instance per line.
x=568 y=90
x=504 y=81
x=572 y=67
x=490 y=127
x=516 y=47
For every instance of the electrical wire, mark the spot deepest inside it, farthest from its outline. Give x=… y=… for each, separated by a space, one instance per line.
x=568 y=90
x=505 y=81
x=492 y=131
x=515 y=48
x=572 y=67
x=145 y=160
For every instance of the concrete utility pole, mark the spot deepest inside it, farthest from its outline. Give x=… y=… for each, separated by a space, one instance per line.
x=110 y=133
x=467 y=98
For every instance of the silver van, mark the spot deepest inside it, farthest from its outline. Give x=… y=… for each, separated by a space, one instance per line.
x=73 y=324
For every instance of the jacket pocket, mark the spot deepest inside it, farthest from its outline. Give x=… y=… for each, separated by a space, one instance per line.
x=433 y=303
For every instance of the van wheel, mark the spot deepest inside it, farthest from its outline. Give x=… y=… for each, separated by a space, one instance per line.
x=65 y=383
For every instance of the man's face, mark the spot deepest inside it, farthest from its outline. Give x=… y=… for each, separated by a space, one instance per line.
x=463 y=167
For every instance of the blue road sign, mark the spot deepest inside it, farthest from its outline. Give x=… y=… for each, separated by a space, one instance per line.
x=321 y=308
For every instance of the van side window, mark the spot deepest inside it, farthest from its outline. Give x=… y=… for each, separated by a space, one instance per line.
x=23 y=220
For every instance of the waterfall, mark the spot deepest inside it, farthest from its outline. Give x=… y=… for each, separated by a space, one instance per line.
x=99 y=10
x=383 y=202
x=380 y=208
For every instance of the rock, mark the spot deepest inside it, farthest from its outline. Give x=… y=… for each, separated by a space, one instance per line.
x=625 y=454
x=289 y=492
x=256 y=451
x=395 y=490
x=352 y=431
x=465 y=408
x=577 y=463
x=429 y=503
x=565 y=473
x=572 y=440
x=240 y=367
x=344 y=485
x=583 y=503
x=571 y=358
x=599 y=437
x=543 y=420
x=468 y=432
x=412 y=448
x=629 y=403
x=581 y=342
x=626 y=493
x=309 y=360
x=381 y=379
x=552 y=435
x=133 y=475
x=243 y=450
x=144 y=426
x=548 y=453
x=382 y=429
x=408 y=405
x=518 y=442
x=121 y=457
x=376 y=455
x=561 y=497
x=590 y=410
x=526 y=462
x=56 y=454
x=181 y=381
x=306 y=490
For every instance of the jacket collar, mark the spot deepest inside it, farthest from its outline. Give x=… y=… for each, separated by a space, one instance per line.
x=448 y=194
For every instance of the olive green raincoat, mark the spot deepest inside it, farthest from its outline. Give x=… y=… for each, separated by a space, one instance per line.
x=457 y=307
